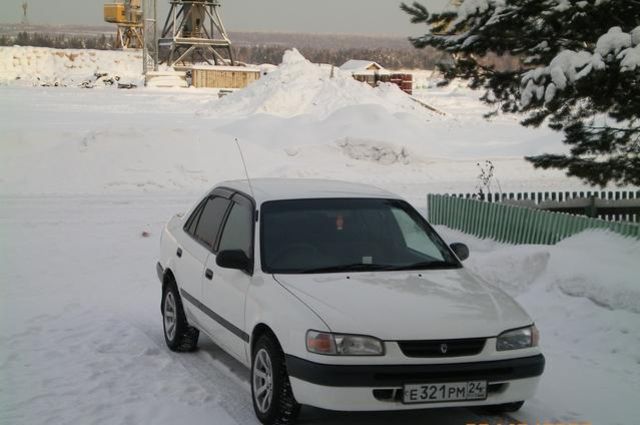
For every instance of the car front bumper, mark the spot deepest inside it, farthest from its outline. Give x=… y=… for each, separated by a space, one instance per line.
x=379 y=387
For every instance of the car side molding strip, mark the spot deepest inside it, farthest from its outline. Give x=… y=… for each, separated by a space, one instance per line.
x=213 y=315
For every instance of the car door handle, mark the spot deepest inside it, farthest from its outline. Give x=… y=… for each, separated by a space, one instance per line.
x=179 y=252
x=208 y=274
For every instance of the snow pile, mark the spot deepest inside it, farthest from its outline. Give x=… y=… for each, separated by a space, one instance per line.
x=72 y=141
x=378 y=152
x=601 y=267
x=569 y=66
x=299 y=87
x=597 y=265
x=40 y=66
x=584 y=296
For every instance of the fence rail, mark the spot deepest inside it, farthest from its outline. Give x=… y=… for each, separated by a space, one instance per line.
x=515 y=224
x=607 y=205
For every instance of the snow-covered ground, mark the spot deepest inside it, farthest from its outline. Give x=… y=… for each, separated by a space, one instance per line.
x=84 y=172
x=583 y=294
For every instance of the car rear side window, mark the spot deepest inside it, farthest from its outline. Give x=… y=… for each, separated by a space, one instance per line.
x=190 y=227
x=210 y=220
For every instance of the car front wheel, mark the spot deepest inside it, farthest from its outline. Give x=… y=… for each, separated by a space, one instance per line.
x=273 y=399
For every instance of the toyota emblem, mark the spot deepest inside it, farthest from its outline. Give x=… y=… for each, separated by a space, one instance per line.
x=444 y=348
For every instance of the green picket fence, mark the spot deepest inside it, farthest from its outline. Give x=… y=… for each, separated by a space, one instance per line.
x=517 y=225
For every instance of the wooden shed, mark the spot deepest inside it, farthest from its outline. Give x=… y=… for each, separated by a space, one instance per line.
x=223 y=77
x=373 y=74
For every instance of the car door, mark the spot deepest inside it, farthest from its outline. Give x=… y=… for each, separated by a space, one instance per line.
x=201 y=234
x=225 y=293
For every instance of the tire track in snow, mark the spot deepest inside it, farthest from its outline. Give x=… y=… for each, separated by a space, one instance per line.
x=215 y=371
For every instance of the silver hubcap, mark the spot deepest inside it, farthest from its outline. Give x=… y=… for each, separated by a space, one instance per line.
x=262 y=380
x=170 y=316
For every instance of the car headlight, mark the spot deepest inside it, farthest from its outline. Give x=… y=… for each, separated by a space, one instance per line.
x=343 y=345
x=518 y=339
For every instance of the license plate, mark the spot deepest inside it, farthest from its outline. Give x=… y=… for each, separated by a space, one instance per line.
x=444 y=392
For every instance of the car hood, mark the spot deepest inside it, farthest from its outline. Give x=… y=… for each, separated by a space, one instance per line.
x=433 y=304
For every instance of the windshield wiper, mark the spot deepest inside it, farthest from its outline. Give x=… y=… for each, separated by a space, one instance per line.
x=355 y=267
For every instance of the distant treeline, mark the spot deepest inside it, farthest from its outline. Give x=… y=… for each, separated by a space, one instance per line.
x=389 y=58
x=396 y=57
x=59 y=41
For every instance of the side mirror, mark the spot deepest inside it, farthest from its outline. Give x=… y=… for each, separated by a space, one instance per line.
x=234 y=259
x=461 y=250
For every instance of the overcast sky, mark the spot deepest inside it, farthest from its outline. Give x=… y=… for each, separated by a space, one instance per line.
x=332 y=16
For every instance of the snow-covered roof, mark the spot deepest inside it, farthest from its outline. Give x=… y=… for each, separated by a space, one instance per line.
x=267 y=189
x=355 y=66
x=226 y=68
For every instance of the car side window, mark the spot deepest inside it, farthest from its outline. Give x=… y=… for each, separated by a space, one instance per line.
x=238 y=231
x=192 y=222
x=210 y=220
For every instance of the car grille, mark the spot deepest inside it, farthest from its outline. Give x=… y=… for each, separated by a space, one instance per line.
x=443 y=348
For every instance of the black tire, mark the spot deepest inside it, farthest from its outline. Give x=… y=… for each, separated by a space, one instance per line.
x=183 y=338
x=505 y=408
x=283 y=408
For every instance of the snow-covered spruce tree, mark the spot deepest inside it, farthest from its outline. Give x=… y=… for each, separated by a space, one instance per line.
x=580 y=73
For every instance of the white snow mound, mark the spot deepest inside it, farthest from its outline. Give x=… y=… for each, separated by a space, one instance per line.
x=596 y=265
x=299 y=87
x=41 y=66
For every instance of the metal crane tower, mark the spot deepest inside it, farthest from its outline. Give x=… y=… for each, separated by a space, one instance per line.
x=193 y=33
x=25 y=19
x=127 y=14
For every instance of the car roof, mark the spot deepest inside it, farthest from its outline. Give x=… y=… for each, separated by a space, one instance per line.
x=271 y=189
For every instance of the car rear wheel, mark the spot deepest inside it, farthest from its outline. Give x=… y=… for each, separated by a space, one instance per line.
x=178 y=335
x=271 y=392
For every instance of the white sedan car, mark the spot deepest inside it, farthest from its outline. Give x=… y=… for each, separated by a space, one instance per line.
x=341 y=296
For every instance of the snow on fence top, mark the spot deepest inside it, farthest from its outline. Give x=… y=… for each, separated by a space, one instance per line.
x=299 y=87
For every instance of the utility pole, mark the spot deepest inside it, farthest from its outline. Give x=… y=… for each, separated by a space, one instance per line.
x=150 y=48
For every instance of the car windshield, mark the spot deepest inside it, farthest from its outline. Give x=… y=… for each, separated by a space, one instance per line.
x=340 y=235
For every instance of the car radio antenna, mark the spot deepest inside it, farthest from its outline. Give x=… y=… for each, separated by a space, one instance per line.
x=244 y=164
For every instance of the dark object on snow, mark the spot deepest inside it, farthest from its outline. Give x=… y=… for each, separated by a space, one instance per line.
x=126 y=86
x=145 y=234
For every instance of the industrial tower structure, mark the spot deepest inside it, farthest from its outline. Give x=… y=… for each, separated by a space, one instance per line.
x=25 y=18
x=194 y=33
x=127 y=14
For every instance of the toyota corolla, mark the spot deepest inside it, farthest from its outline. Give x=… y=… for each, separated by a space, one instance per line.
x=341 y=296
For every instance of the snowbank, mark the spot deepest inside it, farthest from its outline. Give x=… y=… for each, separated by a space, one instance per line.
x=601 y=267
x=584 y=296
x=597 y=265
x=40 y=66
x=299 y=87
